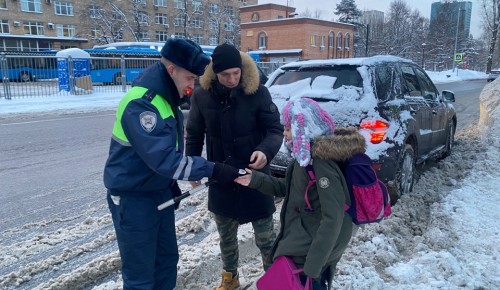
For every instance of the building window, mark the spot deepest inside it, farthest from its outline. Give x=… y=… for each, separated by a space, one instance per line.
x=136 y=2
x=142 y=36
x=63 y=8
x=4 y=26
x=33 y=28
x=198 y=38
x=31 y=6
x=213 y=24
x=180 y=35
x=213 y=8
x=197 y=6
x=347 y=41
x=339 y=41
x=161 y=18
x=65 y=30
x=95 y=11
x=322 y=45
x=118 y=33
x=197 y=22
x=262 y=40
x=229 y=10
x=143 y=17
x=212 y=40
x=161 y=36
x=331 y=38
x=116 y=14
x=229 y=26
x=179 y=20
x=95 y=33
x=313 y=40
x=3 y=4
x=162 y=3
x=179 y=4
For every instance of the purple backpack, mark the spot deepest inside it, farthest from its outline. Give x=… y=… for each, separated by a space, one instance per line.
x=370 y=201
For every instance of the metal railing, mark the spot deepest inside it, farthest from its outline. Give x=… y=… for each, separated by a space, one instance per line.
x=30 y=76
x=34 y=76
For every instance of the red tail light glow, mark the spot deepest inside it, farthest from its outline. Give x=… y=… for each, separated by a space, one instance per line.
x=378 y=129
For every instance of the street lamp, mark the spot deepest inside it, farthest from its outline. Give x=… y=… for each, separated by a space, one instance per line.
x=423 y=55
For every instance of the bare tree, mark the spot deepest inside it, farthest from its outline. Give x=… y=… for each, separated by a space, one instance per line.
x=491 y=21
x=224 y=21
x=108 y=22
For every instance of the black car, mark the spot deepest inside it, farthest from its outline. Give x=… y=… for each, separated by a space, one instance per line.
x=392 y=101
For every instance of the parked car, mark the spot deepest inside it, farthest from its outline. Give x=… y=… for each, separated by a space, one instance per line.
x=494 y=73
x=392 y=101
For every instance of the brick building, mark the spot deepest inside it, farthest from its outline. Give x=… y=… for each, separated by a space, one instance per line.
x=34 y=25
x=275 y=33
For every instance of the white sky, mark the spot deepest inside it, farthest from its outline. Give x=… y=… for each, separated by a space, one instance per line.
x=328 y=7
x=444 y=235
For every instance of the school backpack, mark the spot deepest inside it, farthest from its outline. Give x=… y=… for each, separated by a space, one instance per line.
x=370 y=201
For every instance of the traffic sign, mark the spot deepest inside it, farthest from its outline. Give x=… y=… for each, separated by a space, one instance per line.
x=458 y=57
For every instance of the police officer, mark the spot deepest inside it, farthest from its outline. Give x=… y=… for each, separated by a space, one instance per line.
x=145 y=160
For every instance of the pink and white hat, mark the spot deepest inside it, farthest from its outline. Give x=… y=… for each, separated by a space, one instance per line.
x=307 y=121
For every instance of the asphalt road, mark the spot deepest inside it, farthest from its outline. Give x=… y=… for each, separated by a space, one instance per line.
x=467 y=100
x=51 y=179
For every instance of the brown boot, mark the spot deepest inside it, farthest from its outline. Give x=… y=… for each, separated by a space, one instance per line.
x=229 y=282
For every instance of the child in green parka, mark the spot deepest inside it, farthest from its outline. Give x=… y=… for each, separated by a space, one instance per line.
x=315 y=229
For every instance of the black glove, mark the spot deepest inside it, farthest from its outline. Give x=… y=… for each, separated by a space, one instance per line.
x=225 y=174
x=176 y=191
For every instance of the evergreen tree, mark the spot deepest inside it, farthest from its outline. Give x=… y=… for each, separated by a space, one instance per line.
x=348 y=11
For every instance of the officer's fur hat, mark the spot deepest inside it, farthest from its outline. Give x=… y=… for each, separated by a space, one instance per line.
x=186 y=54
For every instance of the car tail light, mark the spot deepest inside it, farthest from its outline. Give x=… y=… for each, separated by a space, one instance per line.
x=377 y=129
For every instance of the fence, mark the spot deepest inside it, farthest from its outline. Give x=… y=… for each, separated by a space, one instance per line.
x=30 y=76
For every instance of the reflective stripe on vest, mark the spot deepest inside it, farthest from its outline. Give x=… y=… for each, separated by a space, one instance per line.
x=134 y=93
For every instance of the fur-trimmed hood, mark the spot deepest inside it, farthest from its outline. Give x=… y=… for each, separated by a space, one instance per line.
x=339 y=146
x=249 y=75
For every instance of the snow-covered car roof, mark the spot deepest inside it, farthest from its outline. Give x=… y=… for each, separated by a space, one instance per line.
x=360 y=61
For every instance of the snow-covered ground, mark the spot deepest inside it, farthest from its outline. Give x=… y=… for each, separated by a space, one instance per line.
x=442 y=236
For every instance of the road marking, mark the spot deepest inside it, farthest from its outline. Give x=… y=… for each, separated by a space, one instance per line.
x=58 y=119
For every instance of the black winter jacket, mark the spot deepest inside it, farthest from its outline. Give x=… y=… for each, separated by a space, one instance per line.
x=235 y=123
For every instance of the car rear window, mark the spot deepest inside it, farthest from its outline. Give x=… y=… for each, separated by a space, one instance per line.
x=346 y=75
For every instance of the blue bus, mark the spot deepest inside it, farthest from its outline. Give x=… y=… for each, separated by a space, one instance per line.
x=28 y=66
x=135 y=45
x=109 y=66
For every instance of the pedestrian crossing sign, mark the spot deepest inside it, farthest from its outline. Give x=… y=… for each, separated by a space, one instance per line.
x=458 y=57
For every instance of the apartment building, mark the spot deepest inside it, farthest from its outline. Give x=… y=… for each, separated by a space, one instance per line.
x=277 y=34
x=35 y=25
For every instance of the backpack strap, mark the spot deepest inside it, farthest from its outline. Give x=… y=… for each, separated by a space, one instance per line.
x=312 y=180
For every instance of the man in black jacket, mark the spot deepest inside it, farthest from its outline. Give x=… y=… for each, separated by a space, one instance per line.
x=242 y=128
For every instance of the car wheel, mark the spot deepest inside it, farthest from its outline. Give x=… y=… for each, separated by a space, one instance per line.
x=450 y=139
x=405 y=174
x=24 y=76
x=117 y=79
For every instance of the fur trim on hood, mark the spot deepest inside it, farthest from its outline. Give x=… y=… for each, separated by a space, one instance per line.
x=249 y=75
x=339 y=146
